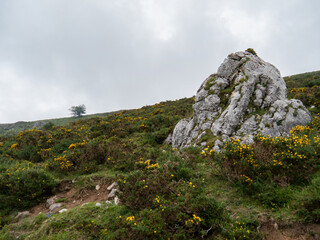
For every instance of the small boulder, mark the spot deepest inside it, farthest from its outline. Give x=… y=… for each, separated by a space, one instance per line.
x=112 y=194
x=63 y=210
x=51 y=200
x=276 y=227
x=112 y=186
x=116 y=200
x=98 y=204
x=55 y=206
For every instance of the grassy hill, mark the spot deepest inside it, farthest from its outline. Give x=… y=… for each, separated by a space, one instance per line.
x=298 y=86
x=268 y=189
x=10 y=129
x=305 y=87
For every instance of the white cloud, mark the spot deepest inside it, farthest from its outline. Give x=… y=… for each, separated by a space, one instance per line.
x=159 y=17
x=124 y=54
x=246 y=27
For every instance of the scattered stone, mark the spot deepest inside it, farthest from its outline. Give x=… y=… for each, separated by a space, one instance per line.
x=116 y=200
x=51 y=201
x=275 y=225
x=55 y=206
x=247 y=96
x=108 y=202
x=113 y=192
x=84 y=204
x=217 y=145
x=112 y=186
x=98 y=204
x=98 y=187
x=22 y=215
x=63 y=210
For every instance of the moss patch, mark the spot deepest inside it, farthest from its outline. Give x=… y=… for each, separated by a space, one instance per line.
x=209 y=138
x=210 y=83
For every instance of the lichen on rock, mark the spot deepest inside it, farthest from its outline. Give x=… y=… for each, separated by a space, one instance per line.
x=245 y=97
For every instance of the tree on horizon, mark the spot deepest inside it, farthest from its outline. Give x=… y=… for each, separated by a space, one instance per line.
x=78 y=111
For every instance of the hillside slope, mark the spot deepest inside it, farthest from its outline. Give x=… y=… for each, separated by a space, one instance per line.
x=269 y=189
x=10 y=129
x=304 y=81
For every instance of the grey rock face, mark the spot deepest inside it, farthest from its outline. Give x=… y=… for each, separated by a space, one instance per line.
x=245 y=97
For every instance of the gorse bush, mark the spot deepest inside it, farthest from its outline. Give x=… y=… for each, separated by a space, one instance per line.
x=292 y=159
x=172 y=204
x=267 y=168
x=309 y=96
x=24 y=185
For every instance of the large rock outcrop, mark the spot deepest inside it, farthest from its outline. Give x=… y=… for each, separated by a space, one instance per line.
x=245 y=97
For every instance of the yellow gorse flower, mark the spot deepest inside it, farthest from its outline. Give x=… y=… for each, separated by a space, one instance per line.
x=15 y=145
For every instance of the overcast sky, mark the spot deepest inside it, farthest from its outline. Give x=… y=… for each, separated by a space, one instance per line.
x=121 y=54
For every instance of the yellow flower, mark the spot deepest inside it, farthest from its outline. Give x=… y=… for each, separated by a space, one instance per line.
x=15 y=145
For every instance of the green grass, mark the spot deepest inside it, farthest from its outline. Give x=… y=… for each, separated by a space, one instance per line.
x=308 y=79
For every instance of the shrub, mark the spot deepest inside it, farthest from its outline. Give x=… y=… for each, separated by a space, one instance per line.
x=308 y=95
x=23 y=185
x=268 y=167
x=245 y=229
x=48 y=126
x=29 y=153
x=238 y=162
x=172 y=204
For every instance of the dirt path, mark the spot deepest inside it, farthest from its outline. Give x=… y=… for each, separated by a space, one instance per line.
x=296 y=231
x=71 y=197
